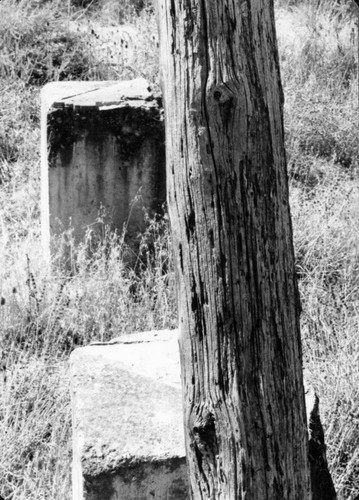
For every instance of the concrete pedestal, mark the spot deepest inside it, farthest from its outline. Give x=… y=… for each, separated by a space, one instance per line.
x=103 y=155
x=128 y=438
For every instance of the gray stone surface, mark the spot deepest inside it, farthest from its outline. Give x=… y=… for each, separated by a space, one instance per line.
x=128 y=437
x=102 y=153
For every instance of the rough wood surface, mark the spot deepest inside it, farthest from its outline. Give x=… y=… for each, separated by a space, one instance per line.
x=246 y=435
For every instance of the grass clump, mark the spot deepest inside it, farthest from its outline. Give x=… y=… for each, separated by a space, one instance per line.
x=54 y=311
x=319 y=63
x=45 y=41
x=35 y=45
x=45 y=313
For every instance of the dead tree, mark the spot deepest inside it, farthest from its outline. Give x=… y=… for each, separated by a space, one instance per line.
x=245 y=423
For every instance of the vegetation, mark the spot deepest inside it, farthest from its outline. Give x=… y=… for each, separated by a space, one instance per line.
x=44 y=314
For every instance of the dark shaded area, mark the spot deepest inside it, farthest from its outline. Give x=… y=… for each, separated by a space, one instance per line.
x=100 y=486
x=321 y=480
x=67 y=126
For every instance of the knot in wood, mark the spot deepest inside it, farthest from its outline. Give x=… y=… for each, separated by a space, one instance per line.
x=224 y=101
x=204 y=433
x=222 y=94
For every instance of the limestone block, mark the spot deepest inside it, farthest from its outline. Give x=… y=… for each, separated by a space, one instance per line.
x=102 y=153
x=128 y=439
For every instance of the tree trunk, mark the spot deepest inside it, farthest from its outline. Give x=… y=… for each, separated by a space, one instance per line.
x=245 y=423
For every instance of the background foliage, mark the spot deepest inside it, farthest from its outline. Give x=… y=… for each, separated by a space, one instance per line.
x=44 y=315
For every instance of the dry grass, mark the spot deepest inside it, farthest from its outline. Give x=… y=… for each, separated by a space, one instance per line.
x=327 y=248
x=35 y=430
x=45 y=314
x=319 y=62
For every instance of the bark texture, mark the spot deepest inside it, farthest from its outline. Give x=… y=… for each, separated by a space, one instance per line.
x=245 y=423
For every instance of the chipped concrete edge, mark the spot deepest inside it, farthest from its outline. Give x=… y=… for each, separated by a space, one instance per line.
x=141 y=337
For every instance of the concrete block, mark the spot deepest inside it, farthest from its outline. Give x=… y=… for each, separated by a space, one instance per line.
x=103 y=151
x=128 y=438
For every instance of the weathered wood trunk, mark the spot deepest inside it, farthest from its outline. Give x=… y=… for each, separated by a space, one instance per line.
x=246 y=434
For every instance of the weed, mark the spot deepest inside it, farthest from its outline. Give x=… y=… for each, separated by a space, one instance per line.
x=45 y=313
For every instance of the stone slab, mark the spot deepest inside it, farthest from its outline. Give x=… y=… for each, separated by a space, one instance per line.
x=58 y=91
x=128 y=438
x=102 y=95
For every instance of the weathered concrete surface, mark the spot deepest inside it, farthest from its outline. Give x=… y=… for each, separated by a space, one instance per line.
x=128 y=436
x=128 y=440
x=102 y=153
